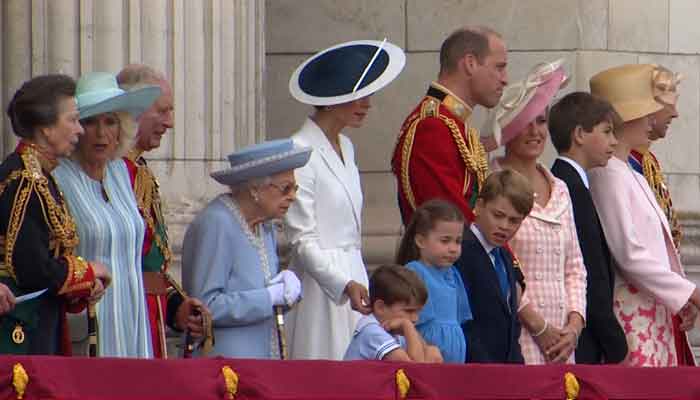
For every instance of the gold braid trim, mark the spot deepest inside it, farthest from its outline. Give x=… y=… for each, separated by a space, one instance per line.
x=19 y=209
x=63 y=236
x=654 y=175
x=147 y=194
x=406 y=150
x=14 y=175
x=77 y=267
x=134 y=154
x=472 y=153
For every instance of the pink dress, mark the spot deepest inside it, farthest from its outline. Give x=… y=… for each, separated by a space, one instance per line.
x=547 y=246
x=650 y=285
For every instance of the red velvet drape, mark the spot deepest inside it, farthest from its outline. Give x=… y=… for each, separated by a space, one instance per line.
x=81 y=378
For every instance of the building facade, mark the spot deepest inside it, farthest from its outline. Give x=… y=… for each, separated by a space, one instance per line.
x=230 y=60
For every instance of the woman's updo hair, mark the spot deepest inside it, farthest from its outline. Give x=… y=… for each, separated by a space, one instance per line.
x=36 y=103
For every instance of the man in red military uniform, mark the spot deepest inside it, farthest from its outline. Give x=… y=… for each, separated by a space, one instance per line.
x=438 y=153
x=166 y=305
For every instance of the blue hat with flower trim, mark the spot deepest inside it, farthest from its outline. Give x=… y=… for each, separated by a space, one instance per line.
x=346 y=72
x=261 y=160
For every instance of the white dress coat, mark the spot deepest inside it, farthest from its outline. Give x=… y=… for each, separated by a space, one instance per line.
x=323 y=226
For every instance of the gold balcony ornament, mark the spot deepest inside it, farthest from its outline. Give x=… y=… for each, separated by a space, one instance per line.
x=231 y=381
x=402 y=383
x=20 y=379
x=571 y=386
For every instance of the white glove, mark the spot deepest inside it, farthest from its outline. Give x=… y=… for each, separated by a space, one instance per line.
x=292 y=286
x=276 y=293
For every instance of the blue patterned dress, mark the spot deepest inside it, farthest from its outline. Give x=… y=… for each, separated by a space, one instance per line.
x=446 y=309
x=111 y=232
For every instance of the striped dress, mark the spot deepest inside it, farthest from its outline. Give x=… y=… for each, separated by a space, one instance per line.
x=111 y=232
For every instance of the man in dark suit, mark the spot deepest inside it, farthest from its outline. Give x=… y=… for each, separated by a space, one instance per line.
x=487 y=269
x=582 y=131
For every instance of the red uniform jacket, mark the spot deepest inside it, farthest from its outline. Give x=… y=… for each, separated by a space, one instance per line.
x=438 y=155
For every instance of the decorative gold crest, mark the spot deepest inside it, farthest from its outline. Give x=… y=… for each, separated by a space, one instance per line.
x=18 y=334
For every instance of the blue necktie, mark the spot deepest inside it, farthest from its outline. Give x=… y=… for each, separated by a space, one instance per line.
x=500 y=268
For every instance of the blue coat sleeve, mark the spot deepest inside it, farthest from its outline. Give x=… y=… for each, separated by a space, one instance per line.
x=222 y=279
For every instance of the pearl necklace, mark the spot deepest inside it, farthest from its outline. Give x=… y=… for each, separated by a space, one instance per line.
x=258 y=241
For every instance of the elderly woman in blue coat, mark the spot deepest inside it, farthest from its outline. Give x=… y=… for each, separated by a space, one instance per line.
x=229 y=257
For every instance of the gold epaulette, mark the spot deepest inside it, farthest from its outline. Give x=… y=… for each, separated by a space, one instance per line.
x=471 y=150
x=134 y=154
x=430 y=107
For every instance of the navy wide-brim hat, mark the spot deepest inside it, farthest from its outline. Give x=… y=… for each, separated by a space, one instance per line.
x=261 y=160
x=346 y=72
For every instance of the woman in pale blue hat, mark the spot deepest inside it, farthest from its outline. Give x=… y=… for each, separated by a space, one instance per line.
x=324 y=224
x=97 y=186
x=229 y=257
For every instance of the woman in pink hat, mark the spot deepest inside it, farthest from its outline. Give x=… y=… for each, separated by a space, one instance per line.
x=553 y=306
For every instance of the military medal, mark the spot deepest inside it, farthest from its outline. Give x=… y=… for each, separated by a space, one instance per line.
x=18 y=334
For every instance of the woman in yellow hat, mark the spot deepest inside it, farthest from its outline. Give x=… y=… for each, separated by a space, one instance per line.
x=650 y=286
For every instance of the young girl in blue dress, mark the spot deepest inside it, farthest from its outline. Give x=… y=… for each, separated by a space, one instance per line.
x=431 y=245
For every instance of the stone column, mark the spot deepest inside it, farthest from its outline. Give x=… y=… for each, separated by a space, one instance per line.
x=16 y=56
x=211 y=50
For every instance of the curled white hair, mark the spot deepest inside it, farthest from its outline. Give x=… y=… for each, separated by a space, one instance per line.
x=127 y=134
x=253 y=183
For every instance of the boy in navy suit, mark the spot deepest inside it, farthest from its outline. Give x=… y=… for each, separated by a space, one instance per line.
x=581 y=127
x=487 y=268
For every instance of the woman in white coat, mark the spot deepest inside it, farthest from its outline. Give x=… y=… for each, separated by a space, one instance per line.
x=324 y=224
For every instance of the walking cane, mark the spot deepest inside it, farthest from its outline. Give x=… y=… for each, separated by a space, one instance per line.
x=92 y=330
x=206 y=322
x=281 y=338
x=189 y=340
